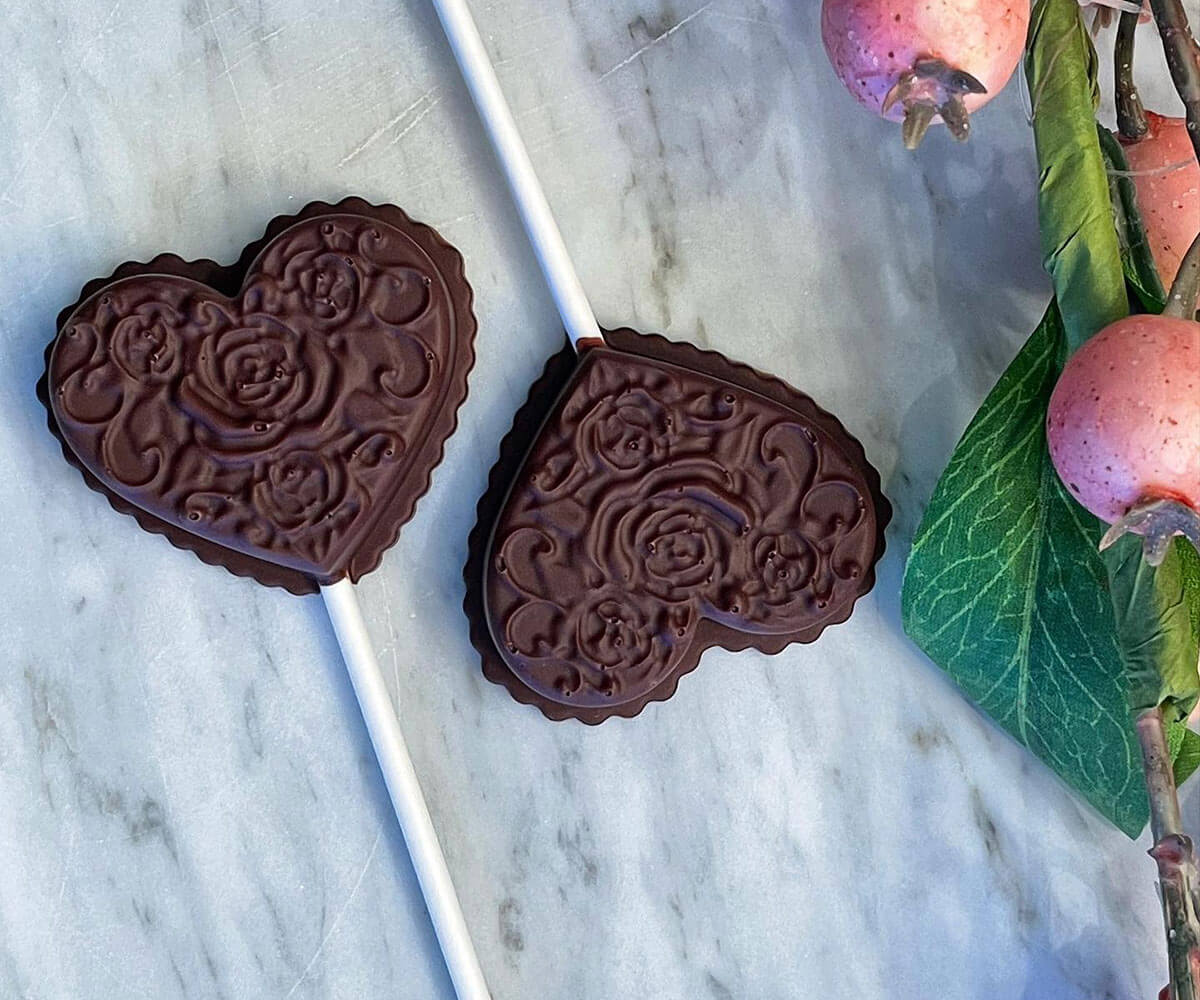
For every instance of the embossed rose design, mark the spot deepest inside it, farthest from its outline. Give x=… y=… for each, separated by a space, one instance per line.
x=785 y=565
x=629 y=432
x=146 y=345
x=676 y=547
x=300 y=490
x=329 y=284
x=617 y=634
x=251 y=383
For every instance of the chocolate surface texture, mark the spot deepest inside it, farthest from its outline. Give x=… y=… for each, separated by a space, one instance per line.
x=280 y=417
x=671 y=501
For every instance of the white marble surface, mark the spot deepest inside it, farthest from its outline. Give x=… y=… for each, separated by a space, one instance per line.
x=189 y=803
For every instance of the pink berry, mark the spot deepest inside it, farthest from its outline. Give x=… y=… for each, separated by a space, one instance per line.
x=1166 y=174
x=1124 y=426
x=920 y=61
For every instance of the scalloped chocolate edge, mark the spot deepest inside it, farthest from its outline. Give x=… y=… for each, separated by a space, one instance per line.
x=227 y=279
x=527 y=424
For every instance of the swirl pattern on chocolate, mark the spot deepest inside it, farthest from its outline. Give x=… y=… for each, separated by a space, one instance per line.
x=664 y=508
x=287 y=430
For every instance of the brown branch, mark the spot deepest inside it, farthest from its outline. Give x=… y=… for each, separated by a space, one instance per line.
x=1177 y=872
x=1185 y=289
x=1131 y=115
x=1183 y=59
x=1172 y=850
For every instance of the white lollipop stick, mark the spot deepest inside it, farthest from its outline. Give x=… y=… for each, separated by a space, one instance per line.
x=405 y=792
x=539 y=222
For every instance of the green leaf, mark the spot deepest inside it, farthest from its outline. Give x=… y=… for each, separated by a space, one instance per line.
x=1079 y=243
x=1154 y=629
x=1189 y=568
x=1185 y=751
x=1006 y=592
x=1136 y=258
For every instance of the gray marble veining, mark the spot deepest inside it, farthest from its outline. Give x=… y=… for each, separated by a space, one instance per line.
x=190 y=804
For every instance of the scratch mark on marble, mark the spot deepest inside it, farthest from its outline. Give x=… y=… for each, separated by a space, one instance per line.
x=66 y=874
x=382 y=130
x=186 y=67
x=227 y=72
x=62 y=886
x=214 y=19
x=679 y=25
x=727 y=16
x=338 y=919
x=278 y=31
x=457 y=219
x=33 y=146
x=104 y=26
x=524 y=56
x=250 y=717
x=54 y=225
x=237 y=97
x=414 y=123
x=337 y=57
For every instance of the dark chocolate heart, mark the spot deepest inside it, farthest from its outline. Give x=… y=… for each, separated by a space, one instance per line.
x=670 y=501
x=280 y=417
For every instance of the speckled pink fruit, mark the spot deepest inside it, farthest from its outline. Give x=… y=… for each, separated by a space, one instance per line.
x=1124 y=420
x=1167 y=177
x=873 y=43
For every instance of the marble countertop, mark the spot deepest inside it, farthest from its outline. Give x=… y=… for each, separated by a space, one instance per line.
x=190 y=803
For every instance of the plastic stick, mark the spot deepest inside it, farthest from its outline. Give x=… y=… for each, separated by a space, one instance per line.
x=476 y=67
x=405 y=791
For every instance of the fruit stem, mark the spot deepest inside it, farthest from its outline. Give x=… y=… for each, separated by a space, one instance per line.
x=917 y=119
x=1183 y=59
x=930 y=88
x=1131 y=114
x=1185 y=289
x=1177 y=873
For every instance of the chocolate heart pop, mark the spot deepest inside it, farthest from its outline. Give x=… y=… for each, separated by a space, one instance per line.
x=281 y=417
x=652 y=500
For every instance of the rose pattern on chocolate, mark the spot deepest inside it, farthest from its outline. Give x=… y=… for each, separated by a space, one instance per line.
x=282 y=422
x=660 y=511
x=253 y=381
x=146 y=344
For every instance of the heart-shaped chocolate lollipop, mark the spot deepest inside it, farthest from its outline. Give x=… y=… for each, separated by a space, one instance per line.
x=670 y=501
x=280 y=417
